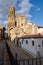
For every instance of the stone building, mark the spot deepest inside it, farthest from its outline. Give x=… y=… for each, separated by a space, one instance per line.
x=32 y=44
x=40 y=29
x=11 y=19
x=2 y=29
x=17 y=25
x=29 y=28
x=21 y=22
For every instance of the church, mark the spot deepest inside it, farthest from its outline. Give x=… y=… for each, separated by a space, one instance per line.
x=18 y=26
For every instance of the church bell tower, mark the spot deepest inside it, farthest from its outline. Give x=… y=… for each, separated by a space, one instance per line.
x=11 y=19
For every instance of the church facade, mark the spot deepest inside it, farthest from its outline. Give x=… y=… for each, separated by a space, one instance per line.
x=18 y=27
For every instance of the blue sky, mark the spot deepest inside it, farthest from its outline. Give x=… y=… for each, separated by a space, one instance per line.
x=37 y=12
x=32 y=9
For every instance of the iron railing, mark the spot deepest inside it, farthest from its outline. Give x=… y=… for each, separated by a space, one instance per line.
x=33 y=61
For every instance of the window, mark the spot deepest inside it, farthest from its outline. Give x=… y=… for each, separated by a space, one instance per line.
x=22 y=41
x=26 y=42
x=11 y=12
x=21 y=24
x=15 y=23
x=42 y=43
x=32 y=43
x=39 y=45
x=20 y=44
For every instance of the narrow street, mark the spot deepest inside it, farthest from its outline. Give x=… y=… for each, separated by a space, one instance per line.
x=4 y=58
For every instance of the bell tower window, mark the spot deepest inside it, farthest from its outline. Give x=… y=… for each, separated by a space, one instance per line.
x=11 y=12
x=21 y=24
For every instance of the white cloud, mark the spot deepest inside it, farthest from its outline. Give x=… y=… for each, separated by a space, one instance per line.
x=4 y=5
x=38 y=9
x=5 y=22
x=24 y=5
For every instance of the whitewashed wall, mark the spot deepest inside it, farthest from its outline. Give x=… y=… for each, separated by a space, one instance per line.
x=40 y=30
x=32 y=49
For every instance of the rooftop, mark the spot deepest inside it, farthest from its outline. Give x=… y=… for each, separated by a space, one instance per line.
x=32 y=36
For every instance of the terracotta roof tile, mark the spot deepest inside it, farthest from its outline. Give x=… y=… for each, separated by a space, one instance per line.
x=32 y=36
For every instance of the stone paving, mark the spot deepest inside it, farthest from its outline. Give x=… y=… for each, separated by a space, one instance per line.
x=4 y=58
